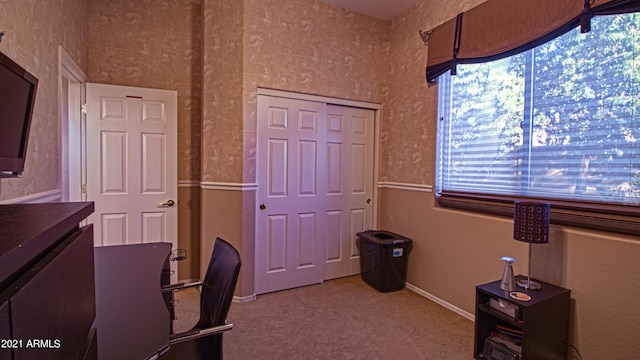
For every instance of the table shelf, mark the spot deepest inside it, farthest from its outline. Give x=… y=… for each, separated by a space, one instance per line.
x=542 y=323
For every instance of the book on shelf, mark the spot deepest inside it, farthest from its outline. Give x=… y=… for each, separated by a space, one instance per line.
x=509 y=341
x=509 y=330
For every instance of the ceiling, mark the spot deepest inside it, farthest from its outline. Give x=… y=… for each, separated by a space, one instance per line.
x=379 y=9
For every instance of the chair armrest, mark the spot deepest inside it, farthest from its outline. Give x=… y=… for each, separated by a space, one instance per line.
x=198 y=333
x=179 y=286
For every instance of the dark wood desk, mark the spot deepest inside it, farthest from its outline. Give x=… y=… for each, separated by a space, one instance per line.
x=47 y=299
x=132 y=316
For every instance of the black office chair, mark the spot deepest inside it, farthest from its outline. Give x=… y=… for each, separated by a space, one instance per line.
x=204 y=340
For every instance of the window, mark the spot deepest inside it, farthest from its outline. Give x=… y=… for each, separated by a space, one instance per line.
x=560 y=122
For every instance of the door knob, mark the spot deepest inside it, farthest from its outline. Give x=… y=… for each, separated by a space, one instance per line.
x=263 y=206
x=168 y=203
x=368 y=201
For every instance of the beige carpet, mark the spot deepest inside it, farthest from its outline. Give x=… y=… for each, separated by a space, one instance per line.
x=339 y=319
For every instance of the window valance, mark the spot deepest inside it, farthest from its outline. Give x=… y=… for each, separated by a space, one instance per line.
x=501 y=28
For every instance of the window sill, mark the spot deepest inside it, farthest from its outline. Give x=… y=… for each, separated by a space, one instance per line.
x=614 y=218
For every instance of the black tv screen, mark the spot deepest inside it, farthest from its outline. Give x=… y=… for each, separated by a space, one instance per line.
x=17 y=97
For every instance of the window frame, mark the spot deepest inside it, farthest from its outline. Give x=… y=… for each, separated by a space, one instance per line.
x=622 y=219
x=619 y=218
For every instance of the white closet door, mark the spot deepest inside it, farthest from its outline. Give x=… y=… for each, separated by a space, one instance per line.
x=349 y=176
x=314 y=173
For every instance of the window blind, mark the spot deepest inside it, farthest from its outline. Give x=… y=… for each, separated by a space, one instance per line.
x=560 y=121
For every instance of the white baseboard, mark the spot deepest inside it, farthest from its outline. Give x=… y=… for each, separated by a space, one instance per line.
x=244 y=299
x=413 y=288
x=187 y=281
x=238 y=299
x=441 y=302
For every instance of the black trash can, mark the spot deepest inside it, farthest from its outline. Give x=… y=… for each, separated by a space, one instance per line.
x=383 y=259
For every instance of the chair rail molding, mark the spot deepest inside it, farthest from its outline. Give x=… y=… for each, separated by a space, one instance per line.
x=188 y=183
x=229 y=186
x=43 y=197
x=405 y=186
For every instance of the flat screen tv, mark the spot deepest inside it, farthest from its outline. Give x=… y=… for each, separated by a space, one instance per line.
x=17 y=97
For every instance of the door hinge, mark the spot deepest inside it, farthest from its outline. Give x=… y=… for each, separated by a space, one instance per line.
x=83 y=108
x=84 y=189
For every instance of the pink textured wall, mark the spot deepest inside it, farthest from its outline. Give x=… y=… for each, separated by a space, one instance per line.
x=307 y=46
x=153 y=44
x=222 y=91
x=408 y=134
x=33 y=32
x=296 y=45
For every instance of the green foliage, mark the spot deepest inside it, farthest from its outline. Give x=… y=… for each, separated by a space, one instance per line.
x=582 y=140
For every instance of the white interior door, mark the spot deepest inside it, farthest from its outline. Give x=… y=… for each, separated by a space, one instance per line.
x=349 y=176
x=315 y=175
x=132 y=165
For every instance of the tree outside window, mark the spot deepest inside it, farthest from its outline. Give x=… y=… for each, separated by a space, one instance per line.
x=560 y=121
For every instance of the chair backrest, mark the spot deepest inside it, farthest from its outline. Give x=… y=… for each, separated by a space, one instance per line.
x=219 y=284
